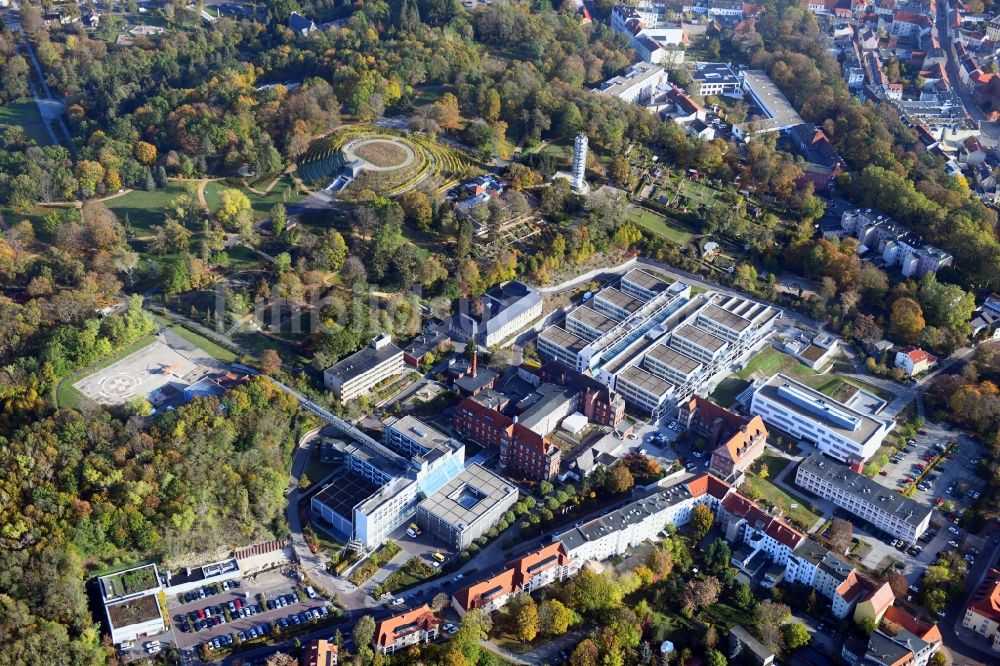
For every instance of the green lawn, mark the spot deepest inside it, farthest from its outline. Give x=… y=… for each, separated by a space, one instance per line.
x=796 y=510
x=657 y=224
x=429 y=94
x=282 y=192
x=146 y=209
x=68 y=397
x=730 y=387
x=20 y=112
x=203 y=343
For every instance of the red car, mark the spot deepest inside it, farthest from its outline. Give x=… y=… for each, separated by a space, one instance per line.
x=239 y=604
x=939 y=501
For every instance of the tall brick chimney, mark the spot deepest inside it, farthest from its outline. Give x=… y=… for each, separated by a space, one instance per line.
x=475 y=357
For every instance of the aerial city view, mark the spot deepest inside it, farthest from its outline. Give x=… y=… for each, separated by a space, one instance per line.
x=500 y=332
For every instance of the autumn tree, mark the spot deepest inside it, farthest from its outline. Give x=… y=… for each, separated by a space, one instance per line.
x=619 y=479
x=590 y=592
x=270 y=362
x=702 y=519
x=144 y=152
x=661 y=562
x=524 y=616
x=448 y=115
x=701 y=592
x=439 y=602
x=621 y=170
x=907 y=319
x=554 y=617
x=841 y=534
x=418 y=209
x=584 y=654
x=364 y=631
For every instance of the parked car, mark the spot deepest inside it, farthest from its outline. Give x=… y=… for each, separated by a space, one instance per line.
x=398 y=601
x=311 y=593
x=953 y=529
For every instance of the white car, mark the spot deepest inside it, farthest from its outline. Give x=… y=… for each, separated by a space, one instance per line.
x=696 y=454
x=398 y=601
x=436 y=564
x=150 y=644
x=126 y=645
x=458 y=578
x=153 y=650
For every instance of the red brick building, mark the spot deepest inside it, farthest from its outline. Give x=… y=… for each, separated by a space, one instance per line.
x=521 y=450
x=597 y=402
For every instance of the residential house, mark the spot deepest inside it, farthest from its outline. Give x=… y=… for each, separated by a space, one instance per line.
x=874 y=604
x=983 y=614
x=301 y=25
x=415 y=627
x=320 y=652
x=914 y=361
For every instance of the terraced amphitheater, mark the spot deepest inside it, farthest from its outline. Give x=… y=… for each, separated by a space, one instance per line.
x=357 y=162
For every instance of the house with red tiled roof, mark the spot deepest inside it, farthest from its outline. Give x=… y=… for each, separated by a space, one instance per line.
x=320 y=652
x=745 y=522
x=415 y=627
x=874 y=603
x=914 y=361
x=983 y=614
x=489 y=594
x=527 y=573
x=738 y=452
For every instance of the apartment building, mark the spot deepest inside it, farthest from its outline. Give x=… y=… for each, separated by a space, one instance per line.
x=833 y=427
x=742 y=521
x=641 y=520
x=320 y=652
x=531 y=572
x=886 y=509
x=983 y=614
x=736 y=454
x=356 y=374
x=416 y=627
x=520 y=448
x=893 y=243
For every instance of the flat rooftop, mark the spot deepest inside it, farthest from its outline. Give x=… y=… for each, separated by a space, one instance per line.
x=134 y=611
x=725 y=318
x=699 y=337
x=562 y=338
x=772 y=102
x=468 y=497
x=620 y=299
x=673 y=359
x=637 y=74
x=641 y=278
x=631 y=514
x=363 y=361
x=424 y=435
x=588 y=316
x=714 y=72
x=848 y=481
x=645 y=381
x=345 y=492
x=814 y=406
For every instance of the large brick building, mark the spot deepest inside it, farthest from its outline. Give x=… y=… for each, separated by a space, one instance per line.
x=521 y=450
x=597 y=402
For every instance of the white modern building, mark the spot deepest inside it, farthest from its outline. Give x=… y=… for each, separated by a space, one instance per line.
x=834 y=428
x=638 y=84
x=886 y=509
x=715 y=78
x=383 y=483
x=466 y=507
x=356 y=374
x=132 y=603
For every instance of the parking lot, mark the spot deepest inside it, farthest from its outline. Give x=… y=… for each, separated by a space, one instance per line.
x=269 y=584
x=956 y=473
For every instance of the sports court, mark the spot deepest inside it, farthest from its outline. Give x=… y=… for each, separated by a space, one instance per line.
x=143 y=374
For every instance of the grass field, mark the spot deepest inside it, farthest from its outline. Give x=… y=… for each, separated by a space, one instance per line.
x=261 y=204
x=796 y=509
x=24 y=112
x=730 y=387
x=206 y=345
x=657 y=224
x=145 y=209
